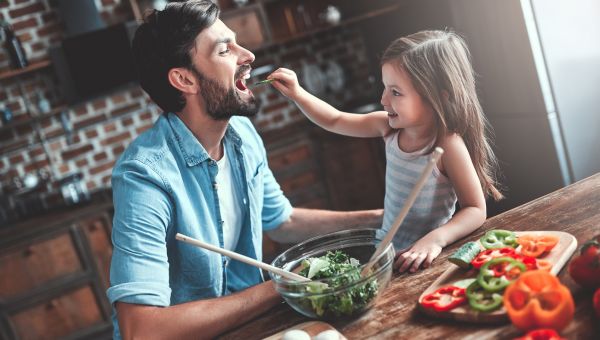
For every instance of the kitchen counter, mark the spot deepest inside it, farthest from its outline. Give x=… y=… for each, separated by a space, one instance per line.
x=574 y=209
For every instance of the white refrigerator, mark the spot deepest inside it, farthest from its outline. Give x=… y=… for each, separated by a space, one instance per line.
x=538 y=65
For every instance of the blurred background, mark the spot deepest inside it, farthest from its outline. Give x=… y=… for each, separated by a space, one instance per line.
x=70 y=105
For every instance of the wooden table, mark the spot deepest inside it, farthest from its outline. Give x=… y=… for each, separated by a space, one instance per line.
x=574 y=209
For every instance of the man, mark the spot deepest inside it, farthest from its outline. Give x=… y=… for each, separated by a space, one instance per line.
x=201 y=171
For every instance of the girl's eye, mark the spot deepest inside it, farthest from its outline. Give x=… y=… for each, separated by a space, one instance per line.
x=396 y=93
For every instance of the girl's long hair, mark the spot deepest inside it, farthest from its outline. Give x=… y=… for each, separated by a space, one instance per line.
x=439 y=66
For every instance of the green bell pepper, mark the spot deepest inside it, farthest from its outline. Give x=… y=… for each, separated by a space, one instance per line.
x=499 y=239
x=481 y=300
x=498 y=273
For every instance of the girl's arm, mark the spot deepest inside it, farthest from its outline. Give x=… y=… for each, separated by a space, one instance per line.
x=374 y=124
x=461 y=172
x=459 y=168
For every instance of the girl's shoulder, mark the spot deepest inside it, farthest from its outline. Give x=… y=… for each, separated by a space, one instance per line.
x=454 y=148
x=452 y=142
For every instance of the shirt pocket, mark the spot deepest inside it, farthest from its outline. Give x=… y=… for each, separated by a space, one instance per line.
x=256 y=195
x=255 y=183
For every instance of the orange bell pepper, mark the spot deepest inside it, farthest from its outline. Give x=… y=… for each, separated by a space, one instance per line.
x=537 y=299
x=535 y=246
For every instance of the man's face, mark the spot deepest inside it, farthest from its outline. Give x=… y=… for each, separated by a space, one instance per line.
x=222 y=67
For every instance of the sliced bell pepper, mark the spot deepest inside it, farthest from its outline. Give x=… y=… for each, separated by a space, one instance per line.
x=537 y=299
x=499 y=239
x=544 y=265
x=482 y=300
x=535 y=246
x=541 y=334
x=445 y=299
x=532 y=263
x=488 y=254
x=499 y=273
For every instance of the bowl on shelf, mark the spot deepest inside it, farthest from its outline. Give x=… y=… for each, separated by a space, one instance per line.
x=345 y=295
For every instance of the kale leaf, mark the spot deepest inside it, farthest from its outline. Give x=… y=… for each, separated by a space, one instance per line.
x=343 y=270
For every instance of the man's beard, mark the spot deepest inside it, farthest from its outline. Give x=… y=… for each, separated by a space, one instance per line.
x=222 y=103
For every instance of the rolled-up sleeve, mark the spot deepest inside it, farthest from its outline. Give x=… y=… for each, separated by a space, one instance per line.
x=139 y=271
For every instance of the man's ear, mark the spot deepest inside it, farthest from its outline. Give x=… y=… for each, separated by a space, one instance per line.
x=183 y=80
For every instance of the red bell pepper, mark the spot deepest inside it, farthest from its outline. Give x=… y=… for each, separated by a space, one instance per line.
x=528 y=261
x=541 y=334
x=585 y=268
x=445 y=299
x=488 y=254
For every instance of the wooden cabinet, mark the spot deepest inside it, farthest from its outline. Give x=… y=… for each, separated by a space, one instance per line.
x=319 y=169
x=354 y=169
x=55 y=275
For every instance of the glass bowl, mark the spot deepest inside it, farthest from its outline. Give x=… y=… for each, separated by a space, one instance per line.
x=345 y=295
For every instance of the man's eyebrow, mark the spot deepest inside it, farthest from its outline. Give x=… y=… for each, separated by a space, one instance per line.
x=225 y=40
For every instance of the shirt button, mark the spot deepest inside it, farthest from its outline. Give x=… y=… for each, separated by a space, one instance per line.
x=244 y=200
x=215 y=186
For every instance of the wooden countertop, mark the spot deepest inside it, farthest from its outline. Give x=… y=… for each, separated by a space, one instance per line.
x=574 y=209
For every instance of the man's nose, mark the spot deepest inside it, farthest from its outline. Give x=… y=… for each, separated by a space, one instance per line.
x=246 y=57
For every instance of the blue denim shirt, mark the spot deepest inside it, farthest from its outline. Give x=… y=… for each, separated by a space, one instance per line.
x=163 y=184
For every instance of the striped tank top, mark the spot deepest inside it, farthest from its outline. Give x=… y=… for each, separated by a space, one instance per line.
x=434 y=205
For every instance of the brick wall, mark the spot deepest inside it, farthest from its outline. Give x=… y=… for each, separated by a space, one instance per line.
x=103 y=128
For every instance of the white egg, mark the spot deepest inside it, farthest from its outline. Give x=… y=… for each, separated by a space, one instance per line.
x=328 y=335
x=295 y=334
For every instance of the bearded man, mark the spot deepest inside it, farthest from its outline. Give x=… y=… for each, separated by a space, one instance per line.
x=202 y=171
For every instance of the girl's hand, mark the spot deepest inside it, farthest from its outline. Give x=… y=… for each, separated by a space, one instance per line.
x=423 y=252
x=286 y=82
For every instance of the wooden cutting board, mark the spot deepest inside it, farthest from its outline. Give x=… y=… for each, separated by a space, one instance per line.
x=558 y=256
x=313 y=328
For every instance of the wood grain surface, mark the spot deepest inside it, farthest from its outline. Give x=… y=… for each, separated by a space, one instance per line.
x=313 y=328
x=558 y=256
x=574 y=209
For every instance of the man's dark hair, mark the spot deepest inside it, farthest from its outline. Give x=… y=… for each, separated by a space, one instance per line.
x=164 y=41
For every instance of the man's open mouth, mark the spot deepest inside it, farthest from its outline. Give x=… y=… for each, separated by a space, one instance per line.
x=240 y=82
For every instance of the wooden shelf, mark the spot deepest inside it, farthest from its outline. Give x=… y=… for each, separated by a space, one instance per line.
x=32 y=67
x=34 y=119
x=349 y=21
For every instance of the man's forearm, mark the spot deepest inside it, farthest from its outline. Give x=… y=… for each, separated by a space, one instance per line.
x=306 y=223
x=197 y=319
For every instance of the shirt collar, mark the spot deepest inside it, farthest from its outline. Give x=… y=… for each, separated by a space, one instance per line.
x=193 y=152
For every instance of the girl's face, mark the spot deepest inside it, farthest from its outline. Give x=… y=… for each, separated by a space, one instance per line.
x=406 y=108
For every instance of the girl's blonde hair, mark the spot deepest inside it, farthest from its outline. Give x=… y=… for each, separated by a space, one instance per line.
x=438 y=64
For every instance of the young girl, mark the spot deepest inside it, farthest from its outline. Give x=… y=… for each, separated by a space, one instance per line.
x=429 y=100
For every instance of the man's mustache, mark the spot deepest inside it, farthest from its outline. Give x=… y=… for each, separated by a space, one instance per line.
x=243 y=69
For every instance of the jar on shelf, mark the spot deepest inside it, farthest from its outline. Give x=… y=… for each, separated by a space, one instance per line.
x=13 y=46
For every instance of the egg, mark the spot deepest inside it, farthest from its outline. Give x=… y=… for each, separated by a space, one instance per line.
x=328 y=335
x=295 y=334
